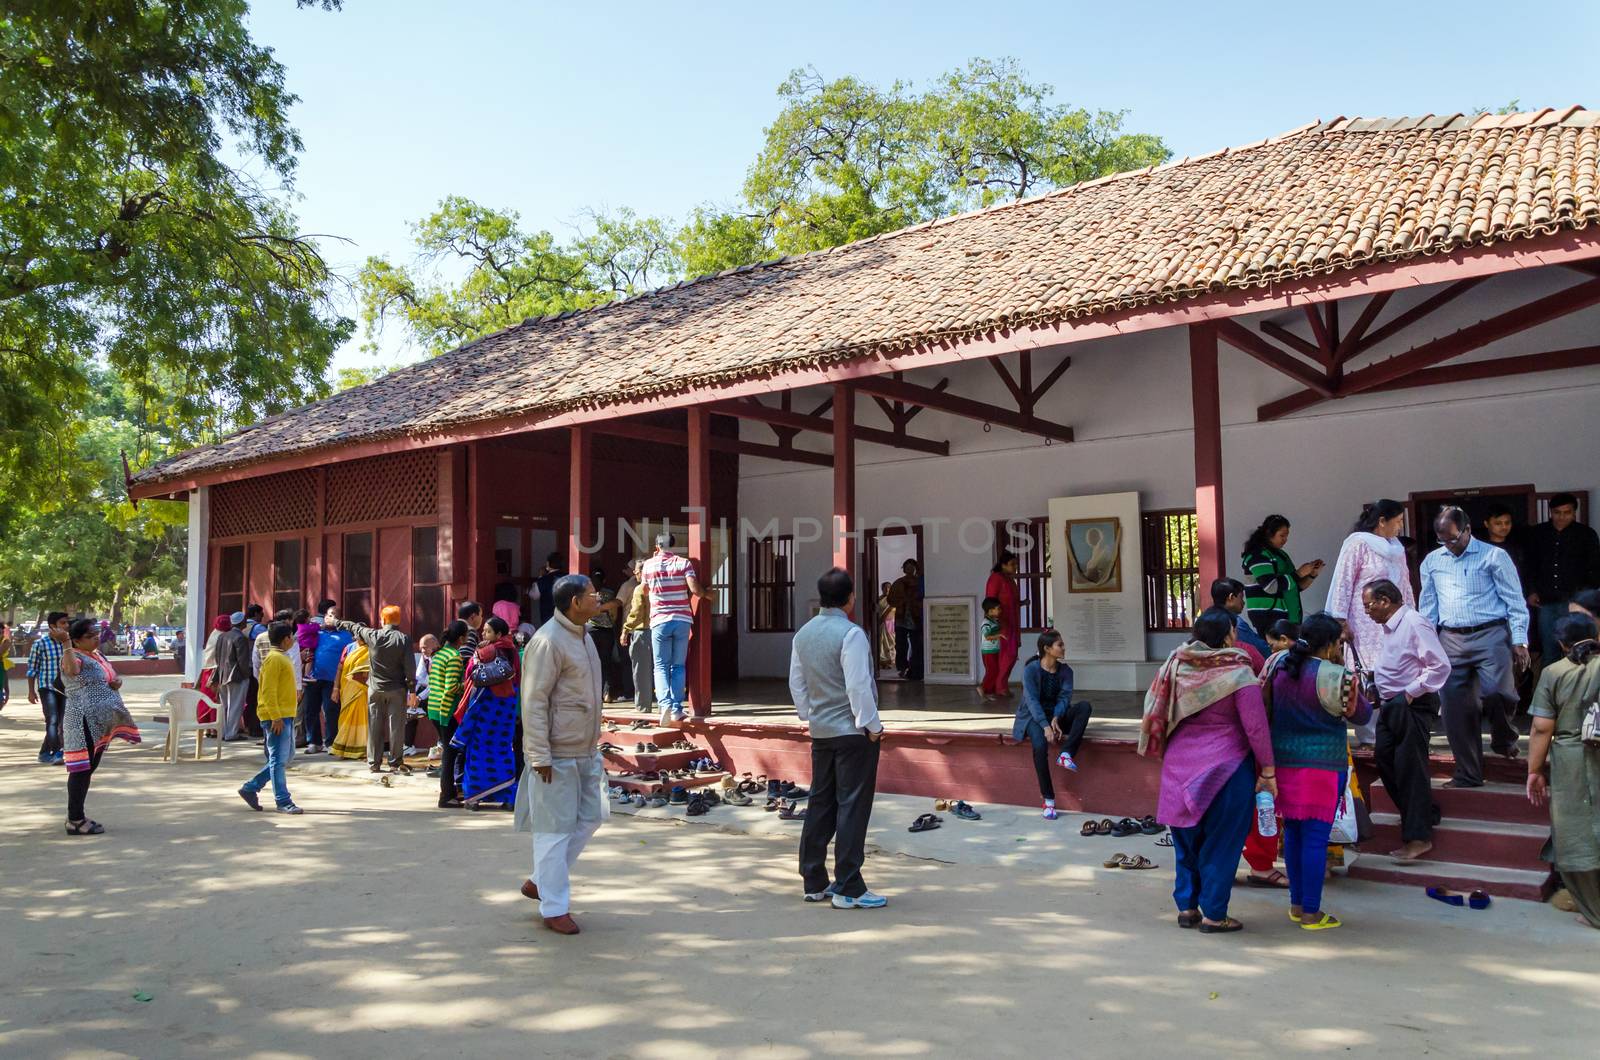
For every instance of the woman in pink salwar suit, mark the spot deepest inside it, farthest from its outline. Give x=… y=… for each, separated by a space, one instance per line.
x=1002 y=585
x=1372 y=551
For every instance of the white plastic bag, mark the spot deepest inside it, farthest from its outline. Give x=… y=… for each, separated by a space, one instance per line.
x=1346 y=829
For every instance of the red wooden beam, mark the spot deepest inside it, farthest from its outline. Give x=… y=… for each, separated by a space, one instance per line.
x=928 y=397
x=1351 y=343
x=644 y=432
x=1207 y=395
x=1051 y=378
x=1319 y=331
x=844 y=484
x=1017 y=393
x=1525 y=364
x=580 y=498
x=1242 y=338
x=1290 y=339
x=698 y=676
x=1423 y=308
x=1445 y=347
x=753 y=409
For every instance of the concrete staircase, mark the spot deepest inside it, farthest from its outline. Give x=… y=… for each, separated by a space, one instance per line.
x=1488 y=838
x=625 y=765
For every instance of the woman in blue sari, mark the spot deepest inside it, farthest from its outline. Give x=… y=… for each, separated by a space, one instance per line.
x=488 y=729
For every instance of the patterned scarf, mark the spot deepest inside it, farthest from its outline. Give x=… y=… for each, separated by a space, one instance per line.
x=1336 y=686
x=1193 y=677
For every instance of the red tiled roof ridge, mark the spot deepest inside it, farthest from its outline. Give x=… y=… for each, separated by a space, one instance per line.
x=1237 y=223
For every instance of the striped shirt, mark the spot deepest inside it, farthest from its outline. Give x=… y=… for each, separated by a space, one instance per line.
x=1475 y=588
x=666 y=576
x=444 y=683
x=44 y=662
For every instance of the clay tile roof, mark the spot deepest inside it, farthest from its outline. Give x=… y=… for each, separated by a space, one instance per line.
x=1326 y=197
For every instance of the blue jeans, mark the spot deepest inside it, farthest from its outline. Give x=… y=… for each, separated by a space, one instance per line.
x=1208 y=853
x=1305 y=855
x=321 y=713
x=280 y=751
x=669 y=646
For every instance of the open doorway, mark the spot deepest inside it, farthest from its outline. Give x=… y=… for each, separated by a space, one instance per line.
x=884 y=556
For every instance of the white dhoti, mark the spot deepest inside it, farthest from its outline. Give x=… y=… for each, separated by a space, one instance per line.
x=563 y=816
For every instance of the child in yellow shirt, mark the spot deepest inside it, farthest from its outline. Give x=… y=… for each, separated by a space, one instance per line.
x=275 y=706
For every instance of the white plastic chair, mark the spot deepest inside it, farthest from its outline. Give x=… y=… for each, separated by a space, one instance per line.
x=183 y=715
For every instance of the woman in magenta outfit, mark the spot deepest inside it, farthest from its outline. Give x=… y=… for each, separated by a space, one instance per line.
x=1309 y=697
x=1372 y=551
x=1204 y=716
x=1002 y=585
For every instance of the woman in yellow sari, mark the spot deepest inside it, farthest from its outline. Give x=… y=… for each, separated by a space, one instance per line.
x=351 y=742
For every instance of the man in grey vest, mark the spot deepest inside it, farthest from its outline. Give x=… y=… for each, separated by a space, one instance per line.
x=831 y=679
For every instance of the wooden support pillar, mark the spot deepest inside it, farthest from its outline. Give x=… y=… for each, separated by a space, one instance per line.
x=699 y=667
x=580 y=500
x=844 y=485
x=1207 y=455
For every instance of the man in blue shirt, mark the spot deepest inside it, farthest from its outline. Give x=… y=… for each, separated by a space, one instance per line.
x=1472 y=595
x=322 y=713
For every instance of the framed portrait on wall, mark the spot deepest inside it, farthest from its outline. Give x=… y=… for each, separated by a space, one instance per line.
x=1094 y=555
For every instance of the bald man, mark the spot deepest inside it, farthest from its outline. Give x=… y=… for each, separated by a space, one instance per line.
x=392 y=677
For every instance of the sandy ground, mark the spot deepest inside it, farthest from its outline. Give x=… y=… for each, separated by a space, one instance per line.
x=377 y=925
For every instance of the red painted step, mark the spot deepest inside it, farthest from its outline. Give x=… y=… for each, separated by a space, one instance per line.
x=1492 y=802
x=1488 y=843
x=1531 y=884
x=700 y=780
x=648 y=760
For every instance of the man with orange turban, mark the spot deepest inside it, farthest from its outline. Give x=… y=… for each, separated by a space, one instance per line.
x=392 y=677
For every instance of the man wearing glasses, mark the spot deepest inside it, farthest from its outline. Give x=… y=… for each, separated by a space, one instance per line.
x=1472 y=595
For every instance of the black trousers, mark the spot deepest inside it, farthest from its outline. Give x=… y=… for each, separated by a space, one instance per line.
x=844 y=777
x=54 y=706
x=447 y=760
x=605 y=645
x=1401 y=754
x=78 y=783
x=1073 y=722
x=908 y=650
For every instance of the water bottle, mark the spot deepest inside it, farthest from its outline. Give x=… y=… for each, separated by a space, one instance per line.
x=1266 y=815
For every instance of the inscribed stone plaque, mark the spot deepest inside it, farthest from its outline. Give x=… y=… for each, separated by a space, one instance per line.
x=951 y=632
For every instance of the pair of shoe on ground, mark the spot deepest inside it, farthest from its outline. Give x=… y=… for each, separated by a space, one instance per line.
x=252 y=800
x=864 y=900
x=1122 y=829
x=958 y=807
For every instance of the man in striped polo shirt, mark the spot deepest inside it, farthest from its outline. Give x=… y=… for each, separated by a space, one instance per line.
x=667 y=582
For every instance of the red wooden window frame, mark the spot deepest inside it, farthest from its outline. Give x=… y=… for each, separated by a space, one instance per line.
x=1030 y=540
x=288 y=574
x=1171 y=569
x=771 y=587
x=230 y=584
x=429 y=592
x=356 y=598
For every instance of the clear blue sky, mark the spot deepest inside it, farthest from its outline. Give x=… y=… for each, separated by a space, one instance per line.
x=553 y=108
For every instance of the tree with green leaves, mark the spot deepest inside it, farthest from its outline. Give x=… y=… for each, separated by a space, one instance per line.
x=145 y=152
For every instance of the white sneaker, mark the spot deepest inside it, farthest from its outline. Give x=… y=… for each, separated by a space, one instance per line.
x=666 y=715
x=820 y=896
x=864 y=900
x=436 y=753
x=409 y=752
x=1067 y=763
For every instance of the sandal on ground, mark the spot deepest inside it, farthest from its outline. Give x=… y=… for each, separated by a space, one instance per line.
x=1189 y=919
x=1323 y=922
x=1114 y=861
x=772 y=804
x=735 y=797
x=1223 y=928
x=1087 y=829
x=942 y=805
x=1148 y=825
x=926 y=823
x=85 y=827
x=1139 y=862
x=1104 y=826
x=1275 y=878
x=1125 y=828
x=1164 y=841
x=791 y=811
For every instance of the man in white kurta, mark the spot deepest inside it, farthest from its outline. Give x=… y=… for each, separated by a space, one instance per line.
x=561 y=798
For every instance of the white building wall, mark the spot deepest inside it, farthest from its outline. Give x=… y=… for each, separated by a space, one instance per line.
x=1128 y=401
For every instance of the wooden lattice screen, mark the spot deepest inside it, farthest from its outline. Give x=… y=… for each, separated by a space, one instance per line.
x=271 y=504
x=383 y=487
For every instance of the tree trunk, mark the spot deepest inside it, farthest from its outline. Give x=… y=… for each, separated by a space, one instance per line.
x=116 y=606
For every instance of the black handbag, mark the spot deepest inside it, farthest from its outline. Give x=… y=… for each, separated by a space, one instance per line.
x=496 y=671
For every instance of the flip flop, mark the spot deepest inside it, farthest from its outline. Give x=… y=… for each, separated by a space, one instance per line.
x=1114 y=861
x=1275 y=879
x=1140 y=862
x=1164 y=841
x=926 y=823
x=1124 y=828
x=1087 y=829
x=1227 y=926
x=1104 y=826
x=1324 y=922
x=1148 y=825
